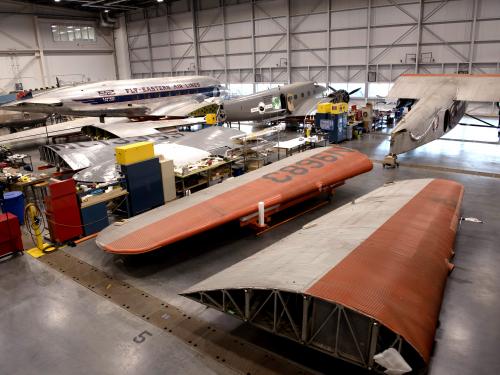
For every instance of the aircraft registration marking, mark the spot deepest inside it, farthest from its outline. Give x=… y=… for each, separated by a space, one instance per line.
x=303 y=167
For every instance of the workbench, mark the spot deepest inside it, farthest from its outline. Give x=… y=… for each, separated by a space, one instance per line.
x=202 y=177
x=299 y=144
x=104 y=197
x=26 y=187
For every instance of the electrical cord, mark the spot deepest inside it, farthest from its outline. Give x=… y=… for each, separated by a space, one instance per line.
x=41 y=221
x=36 y=222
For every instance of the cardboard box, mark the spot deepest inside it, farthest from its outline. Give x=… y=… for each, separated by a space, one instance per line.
x=168 y=180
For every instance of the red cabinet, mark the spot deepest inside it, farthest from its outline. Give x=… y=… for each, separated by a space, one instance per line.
x=63 y=211
x=10 y=234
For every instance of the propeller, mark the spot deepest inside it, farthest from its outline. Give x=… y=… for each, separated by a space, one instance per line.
x=339 y=96
x=356 y=90
x=331 y=88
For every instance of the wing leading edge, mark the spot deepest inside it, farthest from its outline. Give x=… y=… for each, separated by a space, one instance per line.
x=279 y=183
x=392 y=269
x=474 y=88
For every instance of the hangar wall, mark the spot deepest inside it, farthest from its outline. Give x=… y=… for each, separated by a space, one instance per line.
x=30 y=55
x=279 y=41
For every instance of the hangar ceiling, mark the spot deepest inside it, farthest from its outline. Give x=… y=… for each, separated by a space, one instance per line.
x=364 y=43
x=99 y=5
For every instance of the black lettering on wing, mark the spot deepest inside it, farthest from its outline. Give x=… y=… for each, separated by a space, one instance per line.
x=275 y=176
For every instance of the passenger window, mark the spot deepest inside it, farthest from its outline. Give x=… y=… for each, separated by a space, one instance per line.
x=295 y=96
x=302 y=95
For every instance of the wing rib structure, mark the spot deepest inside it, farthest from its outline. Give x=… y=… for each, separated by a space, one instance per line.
x=277 y=185
x=364 y=278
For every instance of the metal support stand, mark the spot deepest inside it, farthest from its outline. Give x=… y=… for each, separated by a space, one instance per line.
x=391 y=161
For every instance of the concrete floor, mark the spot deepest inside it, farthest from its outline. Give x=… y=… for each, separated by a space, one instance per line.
x=50 y=324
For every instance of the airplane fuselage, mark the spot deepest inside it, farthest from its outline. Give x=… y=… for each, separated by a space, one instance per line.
x=118 y=98
x=273 y=103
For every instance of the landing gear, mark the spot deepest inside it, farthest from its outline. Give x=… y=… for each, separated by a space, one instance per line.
x=391 y=161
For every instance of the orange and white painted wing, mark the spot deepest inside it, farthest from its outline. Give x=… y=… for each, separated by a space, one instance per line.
x=384 y=257
x=277 y=184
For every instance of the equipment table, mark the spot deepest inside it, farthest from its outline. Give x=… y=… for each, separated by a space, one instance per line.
x=299 y=144
x=205 y=176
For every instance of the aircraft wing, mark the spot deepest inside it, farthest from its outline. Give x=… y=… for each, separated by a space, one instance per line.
x=182 y=106
x=282 y=182
x=61 y=129
x=106 y=171
x=307 y=107
x=96 y=161
x=185 y=107
x=137 y=128
x=475 y=88
x=84 y=108
x=382 y=258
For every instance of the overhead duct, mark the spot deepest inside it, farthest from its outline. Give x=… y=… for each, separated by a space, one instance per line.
x=106 y=20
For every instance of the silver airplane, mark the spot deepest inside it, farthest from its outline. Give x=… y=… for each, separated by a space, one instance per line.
x=287 y=102
x=135 y=98
x=441 y=101
x=291 y=102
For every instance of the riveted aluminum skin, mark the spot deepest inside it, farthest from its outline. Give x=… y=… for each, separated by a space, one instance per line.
x=279 y=183
x=384 y=257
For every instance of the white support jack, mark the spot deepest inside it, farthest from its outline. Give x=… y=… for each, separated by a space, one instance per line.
x=390 y=161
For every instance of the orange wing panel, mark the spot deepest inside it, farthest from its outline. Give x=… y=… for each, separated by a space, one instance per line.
x=326 y=168
x=397 y=275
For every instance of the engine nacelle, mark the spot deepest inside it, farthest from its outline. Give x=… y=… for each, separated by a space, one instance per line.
x=452 y=115
x=415 y=130
x=216 y=92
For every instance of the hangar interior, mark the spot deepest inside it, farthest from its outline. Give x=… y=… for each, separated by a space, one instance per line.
x=249 y=186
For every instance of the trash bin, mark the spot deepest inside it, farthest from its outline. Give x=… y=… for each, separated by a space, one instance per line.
x=349 y=132
x=13 y=202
